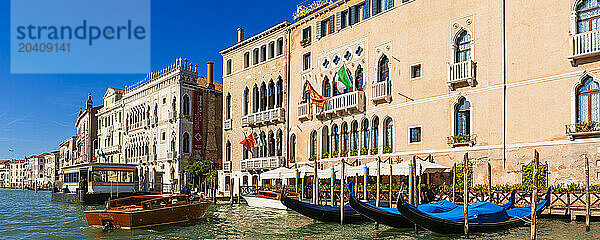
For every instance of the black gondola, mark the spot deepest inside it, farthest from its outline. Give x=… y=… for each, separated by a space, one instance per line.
x=515 y=217
x=391 y=216
x=323 y=213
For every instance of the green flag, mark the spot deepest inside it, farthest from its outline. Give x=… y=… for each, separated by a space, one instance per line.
x=263 y=141
x=344 y=79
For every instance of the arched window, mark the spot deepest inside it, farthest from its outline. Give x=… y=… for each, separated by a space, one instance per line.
x=365 y=134
x=255 y=99
x=325 y=141
x=588 y=16
x=383 y=69
x=375 y=132
x=345 y=137
x=293 y=147
x=358 y=79
x=336 y=138
x=227 y=106
x=271 y=50
x=228 y=67
x=255 y=58
x=263 y=53
x=326 y=87
x=227 y=183
x=462 y=117
x=463 y=47
x=305 y=94
x=279 y=142
x=263 y=97
x=246 y=101
x=271 y=95
x=388 y=138
x=245 y=153
x=228 y=151
x=279 y=46
x=174 y=109
x=588 y=101
x=354 y=136
x=246 y=60
x=313 y=144
x=263 y=144
x=186 y=143
x=271 y=144
x=279 y=92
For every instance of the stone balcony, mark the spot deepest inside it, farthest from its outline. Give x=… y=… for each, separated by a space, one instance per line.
x=461 y=74
x=112 y=149
x=585 y=45
x=262 y=163
x=345 y=104
x=582 y=130
x=381 y=92
x=267 y=117
x=305 y=111
x=227 y=124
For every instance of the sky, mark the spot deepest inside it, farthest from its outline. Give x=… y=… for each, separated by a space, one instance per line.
x=38 y=111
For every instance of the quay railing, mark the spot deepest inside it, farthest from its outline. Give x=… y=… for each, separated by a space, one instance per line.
x=461 y=73
x=381 y=92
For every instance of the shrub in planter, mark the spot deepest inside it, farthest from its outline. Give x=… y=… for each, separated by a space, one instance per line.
x=462 y=138
x=335 y=154
x=344 y=153
x=387 y=150
x=292 y=160
x=374 y=151
x=313 y=158
x=364 y=151
x=325 y=155
x=354 y=152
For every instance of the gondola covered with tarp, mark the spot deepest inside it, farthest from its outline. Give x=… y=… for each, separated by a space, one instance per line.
x=483 y=217
x=393 y=218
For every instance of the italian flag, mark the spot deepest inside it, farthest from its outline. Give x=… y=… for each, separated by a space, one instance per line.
x=342 y=79
x=262 y=141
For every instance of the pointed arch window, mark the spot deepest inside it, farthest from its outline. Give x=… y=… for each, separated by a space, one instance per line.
x=463 y=47
x=271 y=144
x=588 y=101
x=227 y=106
x=279 y=143
x=263 y=147
x=345 y=137
x=358 y=78
x=271 y=95
x=255 y=99
x=186 y=105
x=186 y=143
x=375 y=131
x=293 y=147
x=228 y=151
x=388 y=139
x=383 y=69
x=336 y=138
x=280 y=92
x=305 y=94
x=313 y=144
x=588 y=16
x=325 y=141
x=365 y=134
x=263 y=97
x=326 y=87
x=462 y=117
x=246 y=101
x=354 y=137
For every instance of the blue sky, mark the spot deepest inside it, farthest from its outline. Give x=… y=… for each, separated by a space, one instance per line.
x=38 y=111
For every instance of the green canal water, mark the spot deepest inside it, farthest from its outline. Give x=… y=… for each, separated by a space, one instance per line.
x=29 y=215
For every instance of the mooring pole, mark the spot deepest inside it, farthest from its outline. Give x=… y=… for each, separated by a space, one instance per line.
x=489 y=167
x=453 y=182
x=466 y=193
x=332 y=185
x=231 y=191
x=365 y=178
x=343 y=184
x=316 y=186
x=413 y=181
x=418 y=179
x=587 y=194
x=378 y=181
x=391 y=180
x=356 y=184
x=536 y=160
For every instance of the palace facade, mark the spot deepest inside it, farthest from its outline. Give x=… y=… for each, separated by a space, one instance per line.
x=434 y=78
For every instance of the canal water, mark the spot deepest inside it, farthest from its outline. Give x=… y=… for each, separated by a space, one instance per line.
x=30 y=215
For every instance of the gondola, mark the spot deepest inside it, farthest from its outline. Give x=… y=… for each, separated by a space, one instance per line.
x=483 y=217
x=323 y=213
x=392 y=217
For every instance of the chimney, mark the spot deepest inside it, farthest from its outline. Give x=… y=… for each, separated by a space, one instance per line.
x=240 y=35
x=209 y=74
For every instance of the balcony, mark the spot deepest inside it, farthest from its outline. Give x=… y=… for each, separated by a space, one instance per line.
x=461 y=74
x=227 y=124
x=585 y=45
x=582 y=130
x=271 y=116
x=381 y=92
x=112 y=149
x=462 y=140
x=304 y=111
x=344 y=104
x=262 y=163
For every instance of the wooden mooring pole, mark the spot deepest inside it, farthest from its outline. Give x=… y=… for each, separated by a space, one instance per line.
x=413 y=182
x=377 y=194
x=231 y=190
x=391 y=180
x=453 y=182
x=489 y=166
x=587 y=194
x=466 y=193
x=536 y=161
x=342 y=187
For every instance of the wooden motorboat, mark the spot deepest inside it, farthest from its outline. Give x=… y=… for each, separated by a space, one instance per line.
x=147 y=211
x=265 y=199
x=483 y=217
x=393 y=218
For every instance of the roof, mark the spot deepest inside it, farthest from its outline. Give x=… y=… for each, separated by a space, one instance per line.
x=117 y=90
x=275 y=28
x=4 y=161
x=203 y=82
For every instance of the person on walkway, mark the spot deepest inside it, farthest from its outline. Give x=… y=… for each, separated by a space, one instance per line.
x=186 y=190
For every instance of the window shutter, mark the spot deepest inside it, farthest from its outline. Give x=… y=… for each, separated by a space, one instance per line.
x=331 y=24
x=338 y=21
x=374 y=7
x=390 y=4
x=367 y=9
x=318 y=27
x=351 y=15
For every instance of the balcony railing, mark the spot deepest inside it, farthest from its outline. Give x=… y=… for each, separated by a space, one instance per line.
x=461 y=74
x=226 y=166
x=462 y=140
x=582 y=130
x=585 y=44
x=112 y=149
x=262 y=163
x=344 y=104
x=227 y=124
x=304 y=111
x=381 y=92
x=271 y=116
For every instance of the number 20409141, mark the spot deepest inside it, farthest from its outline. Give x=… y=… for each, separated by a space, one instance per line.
x=45 y=47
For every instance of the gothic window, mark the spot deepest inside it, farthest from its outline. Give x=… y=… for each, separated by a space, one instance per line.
x=588 y=101
x=280 y=92
x=279 y=46
x=279 y=143
x=383 y=69
x=365 y=133
x=186 y=143
x=255 y=56
x=588 y=16
x=255 y=100
x=463 y=47
x=388 y=139
x=462 y=117
x=271 y=95
x=325 y=140
x=271 y=144
x=354 y=142
x=358 y=79
x=263 y=97
x=313 y=143
x=271 y=50
x=228 y=151
x=306 y=94
x=263 y=139
x=345 y=137
x=228 y=67
x=336 y=138
x=326 y=87
x=246 y=101
x=247 y=60
x=228 y=106
x=375 y=131
x=293 y=146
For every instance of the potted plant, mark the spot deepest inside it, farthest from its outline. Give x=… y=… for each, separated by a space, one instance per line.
x=364 y=151
x=334 y=154
x=325 y=155
x=292 y=160
x=586 y=126
x=354 y=152
x=313 y=158
x=462 y=138
x=344 y=153
x=387 y=150
x=374 y=151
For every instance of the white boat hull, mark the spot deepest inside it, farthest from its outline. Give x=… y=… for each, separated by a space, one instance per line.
x=264 y=203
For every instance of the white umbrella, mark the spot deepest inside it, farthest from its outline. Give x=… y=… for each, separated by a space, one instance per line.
x=278 y=173
x=398 y=169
